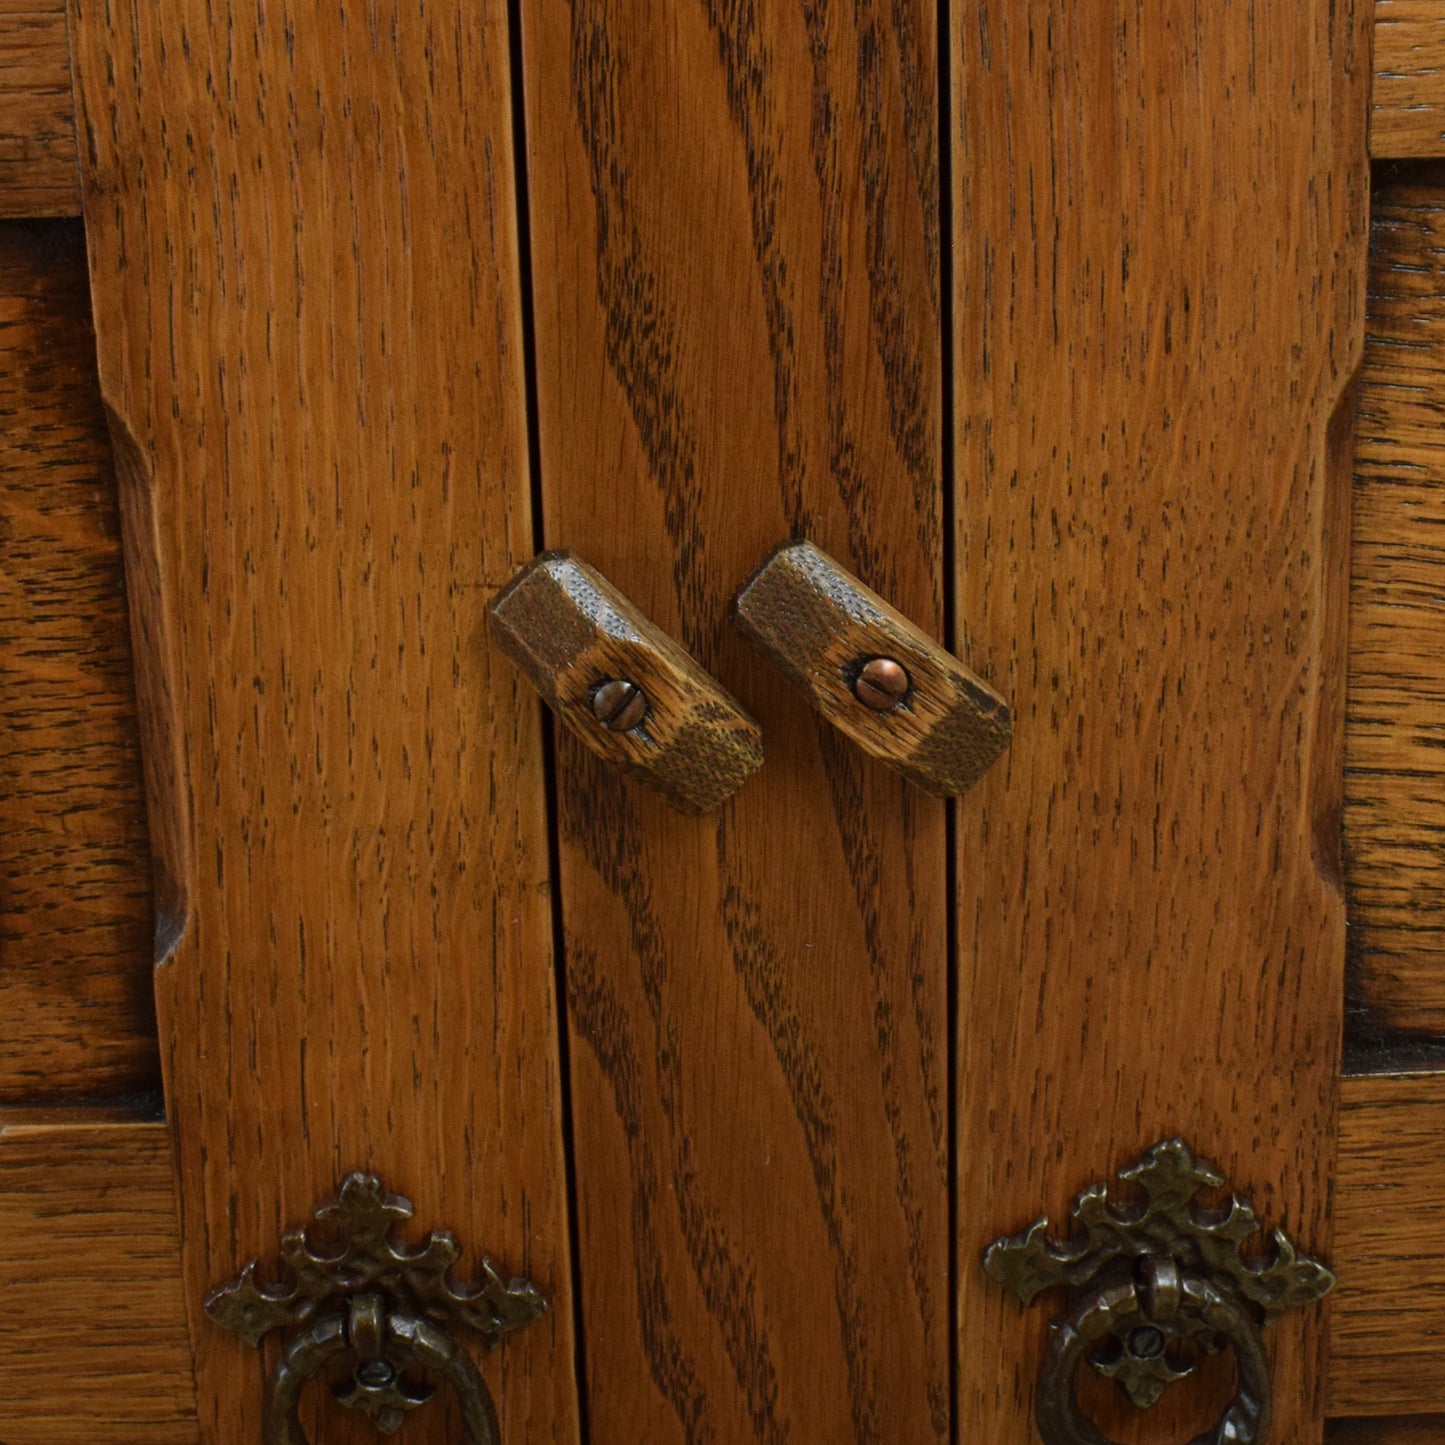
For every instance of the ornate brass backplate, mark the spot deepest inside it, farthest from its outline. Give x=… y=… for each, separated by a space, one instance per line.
x=1154 y=1286
x=351 y=1294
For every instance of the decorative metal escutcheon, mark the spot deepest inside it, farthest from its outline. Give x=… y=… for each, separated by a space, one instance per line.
x=373 y=1314
x=1153 y=1288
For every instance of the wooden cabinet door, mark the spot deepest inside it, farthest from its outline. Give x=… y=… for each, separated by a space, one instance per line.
x=304 y=269
x=1048 y=322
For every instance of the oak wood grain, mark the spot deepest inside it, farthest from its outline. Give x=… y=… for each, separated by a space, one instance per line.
x=1407 y=116
x=1387 y=1320
x=75 y=894
x=943 y=728
x=1422 y=1431
x=93 y=1342
x=302 y=235
x=573 y=634
x=39 y=173
x=1151 y=502
x=736 y=255
x=1395 y=743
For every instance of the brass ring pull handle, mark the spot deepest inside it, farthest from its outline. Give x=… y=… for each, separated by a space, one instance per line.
x=377 y=1386
x=363 y=1295
x=876 y=677
x=1154 y=1288
x=1137 y=1323
x=622 y=685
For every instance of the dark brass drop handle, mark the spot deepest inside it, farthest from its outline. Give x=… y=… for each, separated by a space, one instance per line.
x=377 y=1386
x=1141 y=1317
x=362 y=1296
x=1152 y=1288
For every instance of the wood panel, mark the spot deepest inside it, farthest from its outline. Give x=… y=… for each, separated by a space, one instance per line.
x=39 y=173
x=92 y=1315
x=304 y=257
x=1395 y=749
x=1387 y=1432
x=1152 y=500
x=1387 y=1319
x=75 y=896
x=735 y=244
x=1408 y=113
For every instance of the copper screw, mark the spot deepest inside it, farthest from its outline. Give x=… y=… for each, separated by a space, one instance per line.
x=880 y=684
x=619 y=705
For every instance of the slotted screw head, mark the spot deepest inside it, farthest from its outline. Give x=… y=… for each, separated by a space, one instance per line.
x=880 y=684
x=619 y=705
x=1147 y=1343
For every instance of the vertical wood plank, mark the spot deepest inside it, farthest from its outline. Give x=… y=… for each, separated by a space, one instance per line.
x=735 y=246
x=1159 y=286
x=304 y=262
x=76 y=998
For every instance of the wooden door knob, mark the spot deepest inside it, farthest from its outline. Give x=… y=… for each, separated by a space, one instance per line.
x=623 y=685
x=873 y=674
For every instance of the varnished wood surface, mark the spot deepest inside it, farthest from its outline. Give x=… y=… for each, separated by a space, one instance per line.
x=304 y=262
x=823 y=628
x=1387 y=1315
x=1421 y=1431
x=38 y=168
x=1395 y=748
x=1159 y=247
x=1408 y=112
x=75 y=895
x=572 y=633
x=93 y=1341
x=38 y=164
x=735 y=249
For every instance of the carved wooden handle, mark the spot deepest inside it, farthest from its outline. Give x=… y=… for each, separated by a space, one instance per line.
x=871 y=672
x=623 y=685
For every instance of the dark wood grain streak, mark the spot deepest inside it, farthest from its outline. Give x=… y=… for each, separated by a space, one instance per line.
x=735 y=245
x=1159 y=262
x=1395 y=743
x=39 y=173
x=93 y=1340
x=304 y=258
x=75 y=896
x=1387 y=1323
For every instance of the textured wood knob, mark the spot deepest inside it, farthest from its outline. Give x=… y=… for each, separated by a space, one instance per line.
x=892 y=689
x=623 y=685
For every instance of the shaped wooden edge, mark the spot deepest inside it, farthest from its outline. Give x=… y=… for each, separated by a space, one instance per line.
x=1387 y=1314
x=93 y=1337
x=571 y=632
x=822 y=626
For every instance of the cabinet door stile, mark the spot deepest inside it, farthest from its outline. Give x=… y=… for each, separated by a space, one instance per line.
x=1159 y=261
x=736 y=260
x=303 y=250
